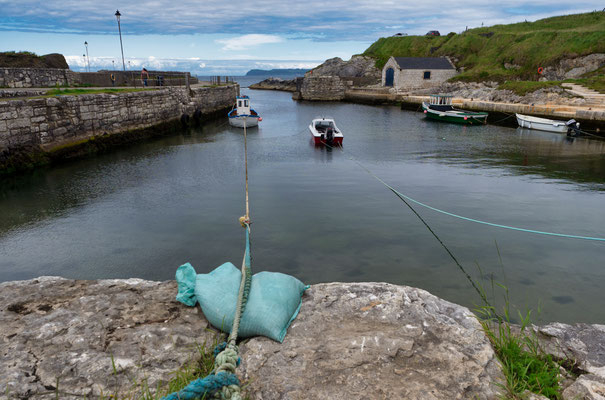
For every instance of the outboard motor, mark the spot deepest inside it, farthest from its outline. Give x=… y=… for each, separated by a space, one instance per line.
x=573 y=128
x=330 y=135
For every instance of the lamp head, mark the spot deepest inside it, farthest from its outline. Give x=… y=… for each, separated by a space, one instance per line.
x=117 y=14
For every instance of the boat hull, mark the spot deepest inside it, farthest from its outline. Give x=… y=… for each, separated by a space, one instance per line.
x=455 y=116
x=337 y=141
x=541 y=124
x=248 y=120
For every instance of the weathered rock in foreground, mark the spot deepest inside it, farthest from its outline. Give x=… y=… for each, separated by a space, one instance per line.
x=350 y=341
x=66 y=332
x=375 y=341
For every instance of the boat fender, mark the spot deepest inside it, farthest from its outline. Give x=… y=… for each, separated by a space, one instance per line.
x=185 y=119
x=197 y=116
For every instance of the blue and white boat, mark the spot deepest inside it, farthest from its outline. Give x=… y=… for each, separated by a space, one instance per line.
x=242 y=115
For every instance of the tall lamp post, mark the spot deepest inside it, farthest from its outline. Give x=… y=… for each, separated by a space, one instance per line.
x=87 y=58
x=117 y=14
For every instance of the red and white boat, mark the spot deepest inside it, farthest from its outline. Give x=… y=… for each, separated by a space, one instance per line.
x=325 y=131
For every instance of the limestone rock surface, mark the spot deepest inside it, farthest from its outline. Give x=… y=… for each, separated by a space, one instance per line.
x=357 y=66
x=72 y=333
x=374 y=341
x=349 y=341
x=585 y=344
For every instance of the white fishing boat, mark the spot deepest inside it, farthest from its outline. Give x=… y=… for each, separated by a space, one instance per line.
x=242 y=115
x=325 y=131
x=545 y=124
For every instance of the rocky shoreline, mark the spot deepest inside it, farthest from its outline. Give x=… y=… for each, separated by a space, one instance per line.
x=62 y=337
x=286 y=85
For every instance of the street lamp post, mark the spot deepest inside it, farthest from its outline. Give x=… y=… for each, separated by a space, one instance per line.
x=87 y=58
x=117 y=14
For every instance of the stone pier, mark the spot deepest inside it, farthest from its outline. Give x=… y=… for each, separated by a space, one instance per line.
x=34 y=130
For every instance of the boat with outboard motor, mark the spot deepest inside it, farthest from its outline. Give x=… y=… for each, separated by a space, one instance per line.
x=440 y=108
x=325 y=131
x=242 y=115
x=571 y=127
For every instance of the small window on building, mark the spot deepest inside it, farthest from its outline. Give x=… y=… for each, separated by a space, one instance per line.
x=427 y=74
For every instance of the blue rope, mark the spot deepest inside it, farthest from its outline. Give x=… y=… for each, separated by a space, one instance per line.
x=563 y=235
x=220 y=347
x=205 y=387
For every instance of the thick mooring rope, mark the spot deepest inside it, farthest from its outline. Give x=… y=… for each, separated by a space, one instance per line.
x=222 y=383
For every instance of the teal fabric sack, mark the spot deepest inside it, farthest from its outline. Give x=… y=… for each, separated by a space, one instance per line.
x=273 y=303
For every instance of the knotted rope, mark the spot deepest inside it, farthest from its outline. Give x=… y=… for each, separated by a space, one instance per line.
x=222 y=383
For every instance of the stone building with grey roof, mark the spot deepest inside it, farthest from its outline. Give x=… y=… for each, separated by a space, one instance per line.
x=408 y=73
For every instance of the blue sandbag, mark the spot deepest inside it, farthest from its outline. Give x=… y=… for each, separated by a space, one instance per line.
x=273 y=303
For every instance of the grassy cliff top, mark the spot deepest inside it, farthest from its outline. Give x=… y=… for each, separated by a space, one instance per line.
x=25 y=59
x=483 y=52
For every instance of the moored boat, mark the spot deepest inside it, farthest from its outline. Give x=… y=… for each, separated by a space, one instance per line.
x=440 y=108
x=545 y=124
x=325 y=131
x=242 y=115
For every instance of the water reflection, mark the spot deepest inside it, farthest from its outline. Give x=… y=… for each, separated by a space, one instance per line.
x=143 y=210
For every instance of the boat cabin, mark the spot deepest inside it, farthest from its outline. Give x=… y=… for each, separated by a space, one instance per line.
x=242 y=106
x=441 y=102
x=441 y=99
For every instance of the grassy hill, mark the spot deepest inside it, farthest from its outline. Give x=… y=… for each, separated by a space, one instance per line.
x=483 y=52
x=25 y=59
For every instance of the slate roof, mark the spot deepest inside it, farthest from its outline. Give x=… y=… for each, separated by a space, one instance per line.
x=423 y=63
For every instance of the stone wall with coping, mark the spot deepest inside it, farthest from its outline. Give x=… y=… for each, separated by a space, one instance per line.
x=47 y=123
x=327 y=88
x=36 y=77
x=51 y=77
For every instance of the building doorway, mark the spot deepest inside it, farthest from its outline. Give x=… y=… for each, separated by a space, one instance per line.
x=389 y=77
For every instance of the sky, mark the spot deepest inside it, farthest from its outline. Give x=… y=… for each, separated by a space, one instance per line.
x=217 y=37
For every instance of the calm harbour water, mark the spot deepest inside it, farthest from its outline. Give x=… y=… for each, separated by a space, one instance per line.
x=143 y=210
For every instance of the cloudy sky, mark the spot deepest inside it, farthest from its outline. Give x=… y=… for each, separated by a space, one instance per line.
x=230 y=37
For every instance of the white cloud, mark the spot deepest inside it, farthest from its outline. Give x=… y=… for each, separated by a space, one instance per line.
x=246 y=41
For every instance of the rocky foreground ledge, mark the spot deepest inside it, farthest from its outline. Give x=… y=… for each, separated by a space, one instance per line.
x=350 y=341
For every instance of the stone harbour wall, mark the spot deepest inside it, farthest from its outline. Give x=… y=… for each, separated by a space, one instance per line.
x=326 y=88
x=36 y=77
x=51 y=77
x=45 y=124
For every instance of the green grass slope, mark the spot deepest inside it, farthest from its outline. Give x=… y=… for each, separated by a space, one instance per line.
x=483 y=52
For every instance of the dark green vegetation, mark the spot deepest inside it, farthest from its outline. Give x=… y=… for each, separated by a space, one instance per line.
x=26 y=59
x=526 y=366
x=484 y=52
